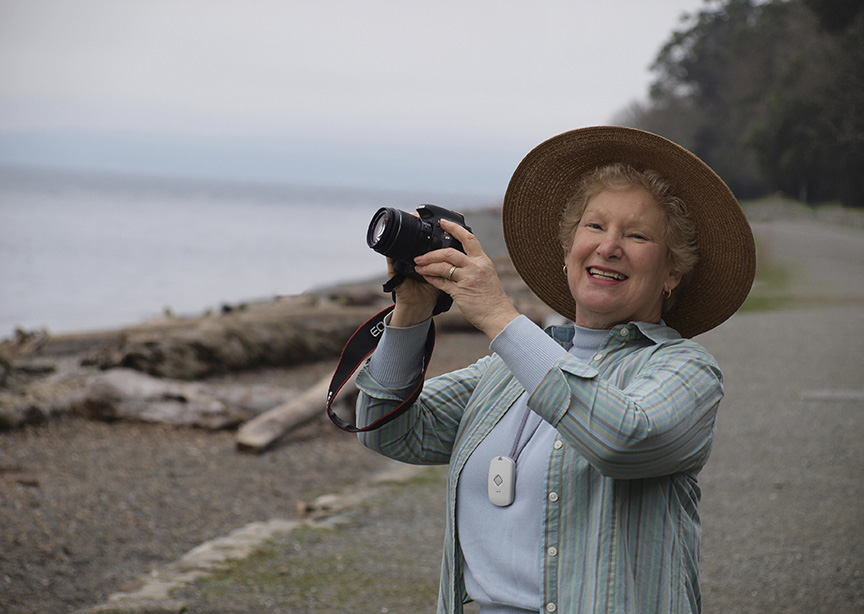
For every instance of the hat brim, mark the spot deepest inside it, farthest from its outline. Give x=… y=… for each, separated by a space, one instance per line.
x=552 y=172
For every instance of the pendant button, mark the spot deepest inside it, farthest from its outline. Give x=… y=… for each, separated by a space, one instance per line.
x=501 y=481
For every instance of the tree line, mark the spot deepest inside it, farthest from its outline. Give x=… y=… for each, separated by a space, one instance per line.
x=770 y=94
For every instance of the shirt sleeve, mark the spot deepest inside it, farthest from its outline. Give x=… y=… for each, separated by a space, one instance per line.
x=426 y=432
x=528 y=366
x=655 y=418
x=397 y=362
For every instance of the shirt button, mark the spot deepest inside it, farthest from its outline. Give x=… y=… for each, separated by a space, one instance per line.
x=625 y=331
x=598 y=357
x=552 y=551
x=553 y=497
x=558 y=444
x=551 y=607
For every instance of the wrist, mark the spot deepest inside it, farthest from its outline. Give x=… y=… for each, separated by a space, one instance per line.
x=497 y=322
x=405 y=316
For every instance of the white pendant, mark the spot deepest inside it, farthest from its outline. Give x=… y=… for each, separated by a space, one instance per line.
x=502 y=481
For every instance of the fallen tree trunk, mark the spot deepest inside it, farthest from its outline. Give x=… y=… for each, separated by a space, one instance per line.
x=266 y=429
x=41 y=402
x=264 y=335
x=299 y=330
x=122 y=394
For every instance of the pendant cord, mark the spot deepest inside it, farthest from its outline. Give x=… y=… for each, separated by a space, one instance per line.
x=516 y=450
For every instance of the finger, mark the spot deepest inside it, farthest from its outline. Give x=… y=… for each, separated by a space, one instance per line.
x=436 y=281
x=450 y=271
x=441 y=270
x=469 y=242
x=448 y=254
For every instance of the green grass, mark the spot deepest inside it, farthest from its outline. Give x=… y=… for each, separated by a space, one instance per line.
x=382 y=560
x=770 y=288
x=320 y=570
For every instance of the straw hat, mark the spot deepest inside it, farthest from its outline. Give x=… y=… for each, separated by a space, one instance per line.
x=551 y=173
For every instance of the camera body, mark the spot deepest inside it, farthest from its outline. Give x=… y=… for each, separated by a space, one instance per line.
x=402 y=236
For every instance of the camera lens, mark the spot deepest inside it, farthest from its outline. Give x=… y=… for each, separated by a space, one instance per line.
x=397 y=234
x=378 y=228
x=382 y=229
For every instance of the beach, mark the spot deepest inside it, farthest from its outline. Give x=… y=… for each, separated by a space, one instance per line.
x=91 y=508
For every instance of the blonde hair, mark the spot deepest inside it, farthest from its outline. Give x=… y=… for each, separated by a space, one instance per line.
x=679 y=233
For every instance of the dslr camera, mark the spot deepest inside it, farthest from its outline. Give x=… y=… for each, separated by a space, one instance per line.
x=402 y=236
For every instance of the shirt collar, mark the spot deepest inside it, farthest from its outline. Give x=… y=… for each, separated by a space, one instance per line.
x=656 y=333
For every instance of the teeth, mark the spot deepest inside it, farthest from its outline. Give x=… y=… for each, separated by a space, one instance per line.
x=606 y=275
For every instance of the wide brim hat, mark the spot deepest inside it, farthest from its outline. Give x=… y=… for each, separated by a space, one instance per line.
x=552 y=172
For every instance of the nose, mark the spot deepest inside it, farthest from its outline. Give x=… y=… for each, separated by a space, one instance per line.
x=609 y=246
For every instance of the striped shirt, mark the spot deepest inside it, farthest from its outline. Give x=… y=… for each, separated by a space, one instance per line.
x=634 y=428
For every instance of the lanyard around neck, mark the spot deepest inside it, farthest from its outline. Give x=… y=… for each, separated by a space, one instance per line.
x=516 y=450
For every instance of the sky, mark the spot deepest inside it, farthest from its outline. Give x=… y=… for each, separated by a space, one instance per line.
x=446 y=95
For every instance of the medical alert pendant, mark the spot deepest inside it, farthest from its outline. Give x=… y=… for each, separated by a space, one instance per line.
x=502 y=481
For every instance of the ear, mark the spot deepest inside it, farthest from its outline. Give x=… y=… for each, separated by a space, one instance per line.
x=672 y=281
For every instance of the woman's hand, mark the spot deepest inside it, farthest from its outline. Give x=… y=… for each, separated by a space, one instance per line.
x=415 y=301
x=471 y=280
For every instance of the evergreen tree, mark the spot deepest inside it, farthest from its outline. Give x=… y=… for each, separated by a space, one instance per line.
x=770 y=94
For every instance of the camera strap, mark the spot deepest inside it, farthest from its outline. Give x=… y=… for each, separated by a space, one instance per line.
x=444 y=303
x=361 y=344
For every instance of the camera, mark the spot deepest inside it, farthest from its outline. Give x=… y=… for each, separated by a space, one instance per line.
x=402 y=236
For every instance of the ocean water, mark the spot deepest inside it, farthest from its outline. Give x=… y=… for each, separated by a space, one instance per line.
x=88 y=252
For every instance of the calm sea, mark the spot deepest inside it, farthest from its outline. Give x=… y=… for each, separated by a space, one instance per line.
x=84 y=252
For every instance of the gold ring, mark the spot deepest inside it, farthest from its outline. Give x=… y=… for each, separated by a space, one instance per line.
x=450 y=274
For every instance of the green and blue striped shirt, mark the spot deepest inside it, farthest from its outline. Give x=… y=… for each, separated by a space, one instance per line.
x=634 y=428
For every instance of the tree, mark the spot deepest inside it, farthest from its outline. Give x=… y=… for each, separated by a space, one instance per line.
x=770 y=94
x=714 y=75
x=835 y=15
x=810 y=143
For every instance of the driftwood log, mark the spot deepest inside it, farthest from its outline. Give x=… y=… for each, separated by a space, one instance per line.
x=21 y=344
x=123 y=394
x=41 y=401
x=262 y=335
x=301 y=330
x=266 y=429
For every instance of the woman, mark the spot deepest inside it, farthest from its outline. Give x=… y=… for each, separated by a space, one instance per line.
x=574 y=454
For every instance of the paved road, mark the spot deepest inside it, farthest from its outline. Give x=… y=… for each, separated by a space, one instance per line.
x=783 y=506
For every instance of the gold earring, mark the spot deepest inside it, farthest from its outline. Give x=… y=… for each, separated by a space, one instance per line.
x=667 y=292
x=565 y=269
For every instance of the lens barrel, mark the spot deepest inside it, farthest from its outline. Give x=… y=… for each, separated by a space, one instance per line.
x=397 y=234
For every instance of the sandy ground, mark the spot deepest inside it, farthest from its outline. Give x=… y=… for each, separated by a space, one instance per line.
x=87 y=508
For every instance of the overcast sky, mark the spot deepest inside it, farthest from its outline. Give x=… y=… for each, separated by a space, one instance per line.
x=445 y=94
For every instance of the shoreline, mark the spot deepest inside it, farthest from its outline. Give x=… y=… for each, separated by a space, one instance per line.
x=485 y=222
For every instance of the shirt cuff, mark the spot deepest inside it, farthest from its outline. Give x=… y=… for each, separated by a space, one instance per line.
x=398 y=360
x=528 y=351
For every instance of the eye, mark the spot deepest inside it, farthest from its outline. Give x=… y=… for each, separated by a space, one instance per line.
x=640 y=236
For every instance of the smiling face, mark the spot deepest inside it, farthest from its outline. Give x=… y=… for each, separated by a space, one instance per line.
x=618 y=265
